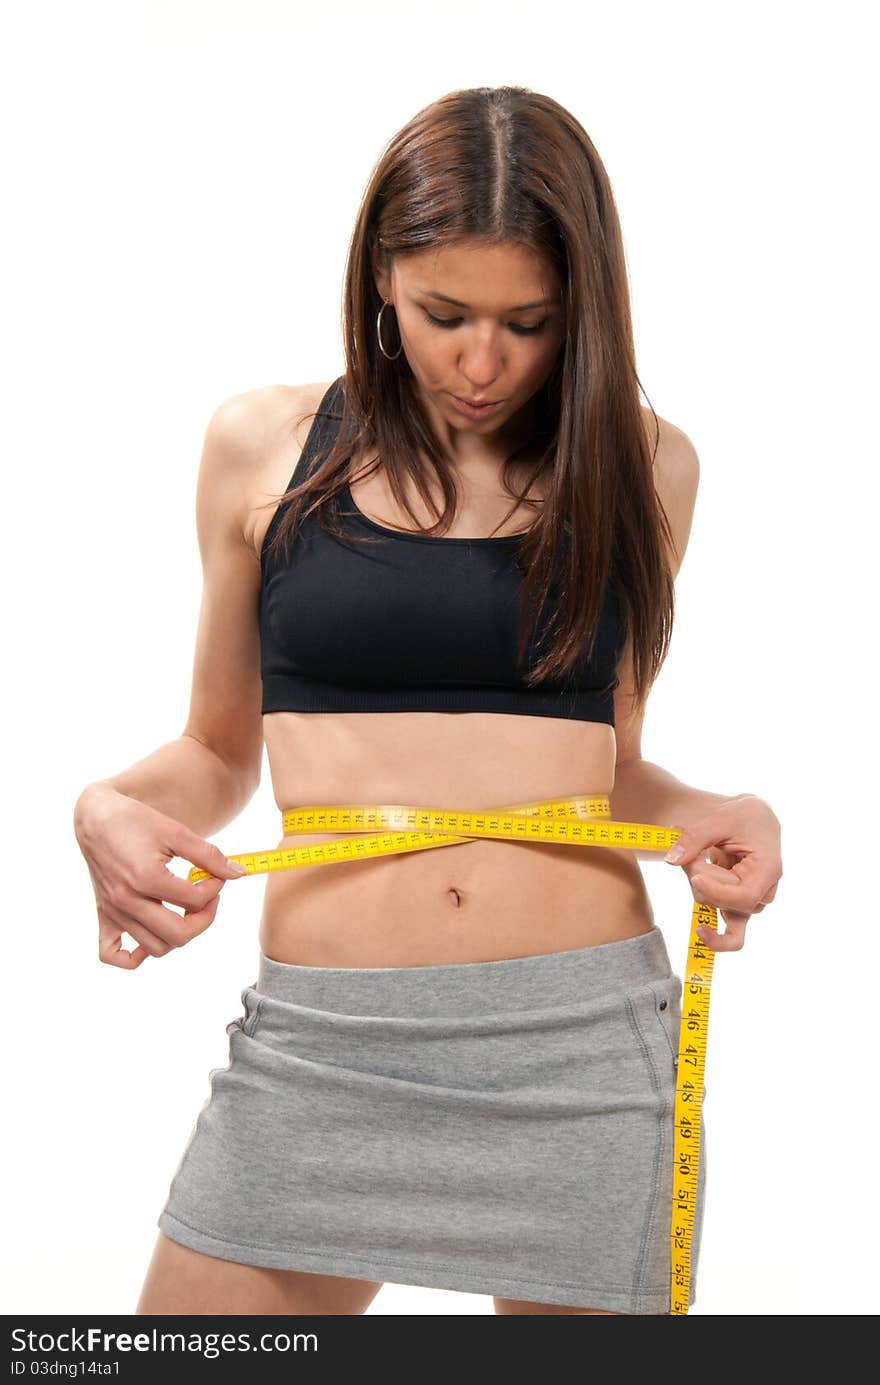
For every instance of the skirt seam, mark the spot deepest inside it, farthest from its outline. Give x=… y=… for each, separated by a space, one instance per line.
x=659 y=1146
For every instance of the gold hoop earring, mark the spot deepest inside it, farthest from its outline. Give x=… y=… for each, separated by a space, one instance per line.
x=386 y=303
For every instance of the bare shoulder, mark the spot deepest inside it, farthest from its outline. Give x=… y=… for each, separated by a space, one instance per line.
x=247 y=422
x=676 y=477
x=255 y=439
x=671 y=448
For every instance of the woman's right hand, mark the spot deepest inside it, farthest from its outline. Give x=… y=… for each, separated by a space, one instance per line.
x=127 y=845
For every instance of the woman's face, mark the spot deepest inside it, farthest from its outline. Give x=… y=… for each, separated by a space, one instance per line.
x=498 y=341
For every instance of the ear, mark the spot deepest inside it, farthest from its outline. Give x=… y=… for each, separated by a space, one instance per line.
x=380 y=273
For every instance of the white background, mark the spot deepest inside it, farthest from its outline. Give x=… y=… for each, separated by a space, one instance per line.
x=181 y=181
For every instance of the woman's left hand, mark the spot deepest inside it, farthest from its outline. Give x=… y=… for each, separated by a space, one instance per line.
x=733 y=859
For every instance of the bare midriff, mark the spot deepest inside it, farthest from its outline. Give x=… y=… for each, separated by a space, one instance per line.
x=471 y=902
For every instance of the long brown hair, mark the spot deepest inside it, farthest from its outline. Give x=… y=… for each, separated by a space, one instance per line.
x=506 y=164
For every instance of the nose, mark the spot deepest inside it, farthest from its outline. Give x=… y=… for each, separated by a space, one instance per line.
x=481 y=365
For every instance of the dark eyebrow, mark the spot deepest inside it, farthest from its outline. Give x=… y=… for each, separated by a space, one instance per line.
x=539 y=302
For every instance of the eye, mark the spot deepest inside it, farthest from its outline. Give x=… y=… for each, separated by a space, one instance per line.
x=441 y=321
x=450 y=322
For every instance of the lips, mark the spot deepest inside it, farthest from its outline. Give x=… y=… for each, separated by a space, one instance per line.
x=476 y=403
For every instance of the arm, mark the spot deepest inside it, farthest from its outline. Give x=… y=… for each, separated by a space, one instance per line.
x=643 y=792
x=730 y=847
x=206 y=776
x=185 y=779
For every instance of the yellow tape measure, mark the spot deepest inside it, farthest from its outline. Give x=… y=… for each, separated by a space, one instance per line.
x=576 y=821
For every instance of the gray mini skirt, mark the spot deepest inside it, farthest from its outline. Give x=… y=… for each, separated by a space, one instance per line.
x=501 y=1127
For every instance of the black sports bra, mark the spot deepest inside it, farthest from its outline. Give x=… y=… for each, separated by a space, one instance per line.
x=416 y=623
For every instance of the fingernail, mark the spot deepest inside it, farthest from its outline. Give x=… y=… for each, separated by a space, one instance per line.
x=674 y=854
x=237 y=867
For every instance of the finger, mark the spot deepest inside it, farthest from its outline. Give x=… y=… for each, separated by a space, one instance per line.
x=701 y=872
x=112 y=952
x=734 y=916
x=723 y=825
x=725 y=891
x=114 y=921
x=709 y=873
x=196 y=851
x=758 y=874
x=731 y=940
x=163 y=884
x=196 y=923
x=164 y=926
x=717 y=856
x=110 y=949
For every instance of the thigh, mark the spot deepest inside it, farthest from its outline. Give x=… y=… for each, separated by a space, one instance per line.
x=506 y=1307
x=181 y=1281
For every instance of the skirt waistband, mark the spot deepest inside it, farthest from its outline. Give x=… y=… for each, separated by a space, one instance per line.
x=542 y=979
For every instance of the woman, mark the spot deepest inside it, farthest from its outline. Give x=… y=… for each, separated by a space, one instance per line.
x=456 y=1067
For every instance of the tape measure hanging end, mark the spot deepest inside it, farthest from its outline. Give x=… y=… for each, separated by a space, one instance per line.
x=689 y=1095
